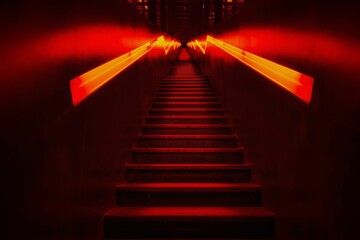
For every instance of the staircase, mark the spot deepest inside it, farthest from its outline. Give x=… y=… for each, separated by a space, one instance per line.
x=187 y=178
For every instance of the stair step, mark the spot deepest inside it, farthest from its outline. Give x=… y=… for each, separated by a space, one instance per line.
x=185 y=82
x=188 y=155
x=187 y=90
x=193 y=85
x=187 y=141
x=189 y=222
x=188 y=194
x=187 y=111
x=186 y=105
x=188 y=173
x=204 y=129
x=188 y=94
x=184 y=119
x=186 y=99
x=187 y=178
x=185 y=77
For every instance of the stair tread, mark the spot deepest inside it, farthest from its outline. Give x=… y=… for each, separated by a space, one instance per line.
x=196 y=85
x=176 y=238
x=190 y=212
x=188 y=117
x=192 y=97
x=187 y=89
x=171 y=125
x=188 y=186
x=177 y=76
x=173 y=81
x=189 y=150
x=199 y=91
x=189 y=166
x=186 y=94
x=187 y=103
x=189 y=109
x=187 y=136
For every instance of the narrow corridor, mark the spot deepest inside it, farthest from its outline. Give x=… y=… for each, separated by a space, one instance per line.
x=187 y=177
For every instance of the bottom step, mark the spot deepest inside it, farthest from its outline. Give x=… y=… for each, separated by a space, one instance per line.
x=189 y=222
x=189 y=239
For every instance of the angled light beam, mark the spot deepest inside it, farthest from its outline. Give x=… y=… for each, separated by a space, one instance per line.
x=86 y=84
x=203 y=50
x=298 y=84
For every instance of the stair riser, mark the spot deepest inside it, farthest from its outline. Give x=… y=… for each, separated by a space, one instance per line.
x=186 y=105
x=188 y=175
x=185 y=78
x=187 y=90
x=186 y=131
x=222 y=158
x=186 y=121
x=185 y=86
x=189 y=227
x=185 y=82
x=184 y=99
x=187 y=143
x=188 y=198
x=186 y=94
x=161 y=112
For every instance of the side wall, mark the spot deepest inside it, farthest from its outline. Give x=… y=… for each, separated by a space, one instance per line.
x=306 y=156
x=59 y=164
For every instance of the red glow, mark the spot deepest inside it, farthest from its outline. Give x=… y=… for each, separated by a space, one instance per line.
x=246 y=212
x=84 y=85
x=76 y=43
x=295 y=82
x=320 y=48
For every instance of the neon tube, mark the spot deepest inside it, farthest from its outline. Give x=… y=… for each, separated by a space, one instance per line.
x=200 y=47
x=84 y=85
x=299 y=84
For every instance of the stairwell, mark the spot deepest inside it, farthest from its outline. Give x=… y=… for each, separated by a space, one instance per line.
x=187 y=178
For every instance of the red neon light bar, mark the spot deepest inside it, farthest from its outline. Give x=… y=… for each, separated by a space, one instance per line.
x=293 y=81
x=84 y=85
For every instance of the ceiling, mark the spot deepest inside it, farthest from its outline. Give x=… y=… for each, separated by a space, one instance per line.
x=185 y=18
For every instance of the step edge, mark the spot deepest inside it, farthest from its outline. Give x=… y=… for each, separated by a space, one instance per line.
x=189 y=150
x=188 y=137
x=183 y=212
x=188 y=186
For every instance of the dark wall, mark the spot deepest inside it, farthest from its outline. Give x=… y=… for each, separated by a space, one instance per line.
x=60 y=164
x=306 y=156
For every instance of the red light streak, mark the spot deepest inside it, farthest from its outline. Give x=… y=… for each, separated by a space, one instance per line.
x=198 y=44
x=295 y=82
x=200 y=47
x=84 y=85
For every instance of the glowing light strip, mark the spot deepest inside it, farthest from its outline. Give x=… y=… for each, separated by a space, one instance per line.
x=173 y=44
x=201 y=48
x=295 y=82
x=84 y=85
